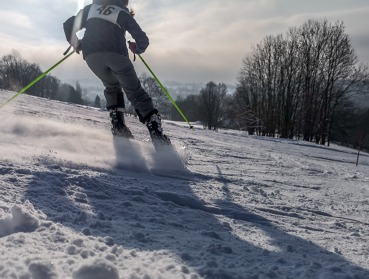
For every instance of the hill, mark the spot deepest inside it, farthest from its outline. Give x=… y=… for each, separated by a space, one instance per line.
x=78 y=203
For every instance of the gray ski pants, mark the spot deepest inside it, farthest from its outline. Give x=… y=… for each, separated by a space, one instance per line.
x=116 y=71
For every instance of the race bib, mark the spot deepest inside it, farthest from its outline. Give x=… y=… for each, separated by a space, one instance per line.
x=107 y=12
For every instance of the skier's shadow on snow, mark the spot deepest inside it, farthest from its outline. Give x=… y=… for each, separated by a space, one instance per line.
x=144 y=212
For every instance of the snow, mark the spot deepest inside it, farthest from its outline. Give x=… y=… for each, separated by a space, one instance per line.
x=78 y=203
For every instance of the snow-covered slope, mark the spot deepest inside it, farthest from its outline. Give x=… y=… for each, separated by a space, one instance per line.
x=78 y=203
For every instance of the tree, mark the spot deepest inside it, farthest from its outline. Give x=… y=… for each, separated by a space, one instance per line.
x=16 y=73
x=50 y=86
x=97 y=103
x=64 y=92
x=293 y=85
x=190 y=108
x=210 y=104
x=229 y=119
x=67 y=93
x=160 y=100
x=76 y=97
x=349 y=124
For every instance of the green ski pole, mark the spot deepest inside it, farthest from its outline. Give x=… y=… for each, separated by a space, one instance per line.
x=166 y=92
x=38 y=78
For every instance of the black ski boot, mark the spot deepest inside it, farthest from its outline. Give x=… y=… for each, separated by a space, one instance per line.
x=118 y=126
x=156 y=131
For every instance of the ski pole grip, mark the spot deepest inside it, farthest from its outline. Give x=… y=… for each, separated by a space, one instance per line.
x=68 y=49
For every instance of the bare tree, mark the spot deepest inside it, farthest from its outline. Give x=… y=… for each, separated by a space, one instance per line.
x=190 y=108
x=160 y=100
x=293 y=85
x=210 y=104
x=16 y=73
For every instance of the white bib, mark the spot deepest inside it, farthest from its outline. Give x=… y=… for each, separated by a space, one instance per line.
x=108 y=12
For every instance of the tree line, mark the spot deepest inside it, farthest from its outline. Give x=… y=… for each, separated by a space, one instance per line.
x=296 y=85
x=16 y=73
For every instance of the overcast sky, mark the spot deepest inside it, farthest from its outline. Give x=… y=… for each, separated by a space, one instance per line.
x=190 y=41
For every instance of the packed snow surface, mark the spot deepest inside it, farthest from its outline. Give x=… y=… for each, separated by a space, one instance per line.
x=78 y=203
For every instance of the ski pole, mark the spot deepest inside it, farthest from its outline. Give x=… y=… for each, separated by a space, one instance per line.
x=38 y=78
x=166 y=92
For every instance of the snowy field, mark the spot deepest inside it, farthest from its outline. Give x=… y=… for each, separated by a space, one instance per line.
x=77 y=203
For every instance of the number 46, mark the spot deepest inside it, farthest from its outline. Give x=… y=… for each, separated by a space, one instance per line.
x=106 y=10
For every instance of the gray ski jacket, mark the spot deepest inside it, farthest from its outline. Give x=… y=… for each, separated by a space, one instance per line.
x=106 y=27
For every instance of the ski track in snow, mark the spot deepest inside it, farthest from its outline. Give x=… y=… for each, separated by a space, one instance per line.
x=79 y=203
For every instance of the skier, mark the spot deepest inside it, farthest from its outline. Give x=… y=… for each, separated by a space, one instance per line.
x=104 y=49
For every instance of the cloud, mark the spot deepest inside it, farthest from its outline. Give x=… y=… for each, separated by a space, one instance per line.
x=189 y=40
x=209 y=40
x=14 y=29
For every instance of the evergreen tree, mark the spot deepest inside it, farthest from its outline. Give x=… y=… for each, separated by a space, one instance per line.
x=97 y=103
x=76 y=97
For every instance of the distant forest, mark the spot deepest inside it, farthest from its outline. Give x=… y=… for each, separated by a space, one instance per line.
x=297 y=85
